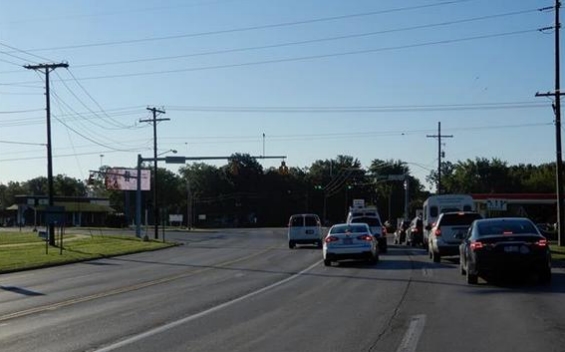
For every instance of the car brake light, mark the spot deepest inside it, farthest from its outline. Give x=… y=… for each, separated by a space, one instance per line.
x=331 y=239
x=541 y=243
x=415 y=230
x=507 y=233
x=476 y=245
x=365 y=238
x=437 y=232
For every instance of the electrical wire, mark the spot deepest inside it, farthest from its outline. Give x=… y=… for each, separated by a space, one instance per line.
x=24 y=52
x=319 y=40
x=253 y=28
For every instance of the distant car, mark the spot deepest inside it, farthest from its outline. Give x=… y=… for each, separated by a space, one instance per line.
x=304 y=229
x=350 y=241
x=448 y=232
x=377 y=229
x=499 y=245
x=400 y=233
x=415 y=232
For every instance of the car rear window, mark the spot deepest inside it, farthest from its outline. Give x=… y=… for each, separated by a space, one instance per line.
x=506 y=227
x=311 y=221
x=369 y=221
x=297 y=221
x=459 y=219
x=351 y=228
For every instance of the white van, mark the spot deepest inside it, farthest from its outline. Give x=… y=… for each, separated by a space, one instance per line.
x=304 y=229
x=444 y=203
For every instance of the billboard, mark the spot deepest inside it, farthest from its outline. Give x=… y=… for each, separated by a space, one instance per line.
x=122 y=179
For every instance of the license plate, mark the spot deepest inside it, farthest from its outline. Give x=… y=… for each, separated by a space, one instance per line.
x=309 y=232
x=347 y=241
x=512 y=249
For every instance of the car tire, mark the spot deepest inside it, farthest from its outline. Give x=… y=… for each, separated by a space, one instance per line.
x=373 y=260
x=544 y=277
x=436 y=257
x=327 y=262
x=472 y=279
x=291 y=244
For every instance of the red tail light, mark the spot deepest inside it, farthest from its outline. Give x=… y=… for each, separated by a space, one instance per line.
x=384 y=231
x=541 y=243
x=476 y=245
x=331 y=239
x=437 y=232
x=365 y=238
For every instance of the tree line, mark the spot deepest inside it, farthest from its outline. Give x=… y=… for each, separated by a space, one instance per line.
x=244 y=193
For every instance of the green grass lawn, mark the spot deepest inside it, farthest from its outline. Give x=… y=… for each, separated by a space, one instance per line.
x=557 y=253
x=26 y=256
x=23 y=237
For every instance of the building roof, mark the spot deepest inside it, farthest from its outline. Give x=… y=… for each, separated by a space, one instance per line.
x=73 y=207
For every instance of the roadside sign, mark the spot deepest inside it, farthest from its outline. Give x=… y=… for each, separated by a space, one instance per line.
x=175 y=217
x=359 y=203
x=497 y=204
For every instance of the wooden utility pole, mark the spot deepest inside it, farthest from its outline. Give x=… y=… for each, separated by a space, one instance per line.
x=46 y=68
x=556 y=94
x=154 y=121
x=439 y=136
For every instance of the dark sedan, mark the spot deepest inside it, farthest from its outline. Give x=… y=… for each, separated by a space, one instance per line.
x=502 y=245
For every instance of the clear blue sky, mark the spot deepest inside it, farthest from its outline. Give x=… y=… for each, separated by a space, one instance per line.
x=379 y=87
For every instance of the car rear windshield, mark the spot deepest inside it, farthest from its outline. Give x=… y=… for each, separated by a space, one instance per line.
x=311 y=221
x=297 y=221
x=506 y=227
x=459 y=219
x=369 y=221
x=348 y=228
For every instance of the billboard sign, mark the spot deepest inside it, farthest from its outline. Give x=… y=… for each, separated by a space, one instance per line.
x=122 y=179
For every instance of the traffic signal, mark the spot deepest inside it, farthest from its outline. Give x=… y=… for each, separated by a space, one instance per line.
x=283 y=169
x=319 y=187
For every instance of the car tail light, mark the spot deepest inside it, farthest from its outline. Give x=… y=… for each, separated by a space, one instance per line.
x=415 y=230
x=365 y=237
x=476 y=245
x=384 y=231
x=437 y=232
x=331 y=239
x=541 y=243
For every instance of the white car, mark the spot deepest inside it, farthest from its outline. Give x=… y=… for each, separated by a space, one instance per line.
x=350 y=241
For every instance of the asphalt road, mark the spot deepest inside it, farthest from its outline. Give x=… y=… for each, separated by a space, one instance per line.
x=244 y=290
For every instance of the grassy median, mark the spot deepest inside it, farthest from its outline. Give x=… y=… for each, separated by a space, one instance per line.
x=557 y=253
x=26 y=251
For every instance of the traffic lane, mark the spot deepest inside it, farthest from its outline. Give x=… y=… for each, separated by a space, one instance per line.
x=340 y=308
x=511 y=315
x=21 y=291
x=104 y=320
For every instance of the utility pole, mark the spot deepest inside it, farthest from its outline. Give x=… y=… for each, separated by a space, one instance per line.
x=154 y=121
x=439 y=136
x=558 y=149
x=46 y=68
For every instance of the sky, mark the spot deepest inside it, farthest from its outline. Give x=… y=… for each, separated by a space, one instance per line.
x=319 y=78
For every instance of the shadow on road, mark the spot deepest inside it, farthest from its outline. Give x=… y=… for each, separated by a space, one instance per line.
x=520 y=284
x=21 y=291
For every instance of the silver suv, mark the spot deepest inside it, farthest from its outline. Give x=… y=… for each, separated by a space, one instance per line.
x=448 y=232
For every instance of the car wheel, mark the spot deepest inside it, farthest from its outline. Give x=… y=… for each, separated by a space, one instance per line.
x=472 y=279
x=373 y=260
x=383 y=247
x=436 y=257
x=544 y=277
x=291 y=244
x=327 y=262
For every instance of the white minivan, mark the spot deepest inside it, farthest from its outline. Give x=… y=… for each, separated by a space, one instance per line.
x=304 y=229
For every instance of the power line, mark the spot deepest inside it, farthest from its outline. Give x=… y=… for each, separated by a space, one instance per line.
x=303 y=58
x=253 y=28
x=112 y=121
x=319 y=40
x=20 y=111
x=24 y=52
